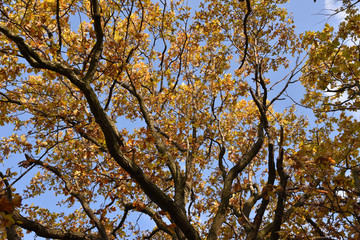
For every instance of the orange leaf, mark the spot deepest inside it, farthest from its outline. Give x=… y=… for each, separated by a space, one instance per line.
x=6 y=205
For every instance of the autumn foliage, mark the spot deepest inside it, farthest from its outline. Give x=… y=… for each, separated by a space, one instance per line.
x=148 y=119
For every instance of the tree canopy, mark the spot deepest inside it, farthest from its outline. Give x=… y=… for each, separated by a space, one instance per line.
x=128 y=107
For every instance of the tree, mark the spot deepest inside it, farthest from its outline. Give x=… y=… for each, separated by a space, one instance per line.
x=332 y=90
x=212 y=156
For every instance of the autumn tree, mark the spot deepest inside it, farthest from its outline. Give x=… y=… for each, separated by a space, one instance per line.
x=331 y=78
x=212 y=155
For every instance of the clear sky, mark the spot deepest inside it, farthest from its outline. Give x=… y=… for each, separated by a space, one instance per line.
x=312 y=16
x=307 y=16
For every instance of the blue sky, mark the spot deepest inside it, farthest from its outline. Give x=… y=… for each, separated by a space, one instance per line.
x=307 y=16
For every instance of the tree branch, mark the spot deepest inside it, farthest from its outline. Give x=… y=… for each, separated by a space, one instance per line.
x=98 y=47
x=265 y=191
x=153 y=215
x=115 y=146
x=248 y=8
x=114 y=141
x=279 y=211
x=232 y=174
x=80 y=197
x=48 y=232
x=36 y=61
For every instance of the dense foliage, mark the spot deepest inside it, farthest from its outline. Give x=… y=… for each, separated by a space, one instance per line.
x=177 y=113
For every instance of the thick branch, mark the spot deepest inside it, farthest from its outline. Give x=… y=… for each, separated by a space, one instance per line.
x=98 y=47
x=265 y=193
x=315 y=226
x=48 y=232
x=250 y=202
x=286 y=216
x=58 y=25
x=356 y=176
x=279 y=211
x=36 y=61
x=115 y=146
x=226 y=192
x=248 y=8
